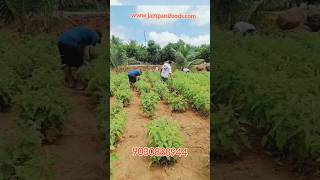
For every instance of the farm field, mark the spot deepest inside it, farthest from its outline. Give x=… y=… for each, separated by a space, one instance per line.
x=46 y=130
x=265 y=119
x=155 y=114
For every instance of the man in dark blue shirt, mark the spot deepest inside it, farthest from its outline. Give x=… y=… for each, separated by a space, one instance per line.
x=134 y=76
x=72 y=46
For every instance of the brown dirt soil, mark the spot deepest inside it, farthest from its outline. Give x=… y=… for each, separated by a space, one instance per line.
x=8 y=123
x=253 y=166
x=78 y=153
x=196 y=135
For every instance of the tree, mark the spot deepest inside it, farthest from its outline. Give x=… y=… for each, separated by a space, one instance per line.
x=167 y=53
x=204 y=52
x=153 y=52
x=118 y=56
x=132 y=49
x=115 y=40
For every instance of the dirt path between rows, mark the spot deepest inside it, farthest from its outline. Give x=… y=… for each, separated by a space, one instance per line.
x=196 y=135
x=253 y=166
x=8 y=123
x=78 y=154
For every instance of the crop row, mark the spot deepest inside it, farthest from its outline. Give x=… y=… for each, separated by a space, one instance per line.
x=31 y=82
x=195 y=88
x=160 y=132
x=273 y=87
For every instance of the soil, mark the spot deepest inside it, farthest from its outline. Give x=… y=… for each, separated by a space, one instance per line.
x=196 y=135
x=78 y=154
x=252 y=166
x=8 y=123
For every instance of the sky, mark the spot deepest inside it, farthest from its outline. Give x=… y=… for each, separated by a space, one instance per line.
x=159 y=2
x=163 y=31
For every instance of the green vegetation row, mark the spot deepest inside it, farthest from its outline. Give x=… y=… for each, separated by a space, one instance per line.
x=195 y=87
x=271 y=84
x=32 y=83
x=161 y=133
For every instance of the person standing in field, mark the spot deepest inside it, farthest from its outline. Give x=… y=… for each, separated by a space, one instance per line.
x=166 y=71
x=72 y=46
x=134 y=76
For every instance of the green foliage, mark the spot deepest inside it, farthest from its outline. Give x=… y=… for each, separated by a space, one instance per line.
x=142 y=86
x=229 y=136
x=118 y=121
x=177 y=102
x=118 y=55
x=18 y=158
x=274 y=87
x=9 y=86
x=43 y=78
x=124 y=96
x=93 y=74
x=149 y=102
x=46 y=114
x=195 y=88
x=163 y=134
x=120 y=88
x=153 y=52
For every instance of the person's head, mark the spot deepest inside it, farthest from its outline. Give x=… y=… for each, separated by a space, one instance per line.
x=99 y=33
x=170 y=62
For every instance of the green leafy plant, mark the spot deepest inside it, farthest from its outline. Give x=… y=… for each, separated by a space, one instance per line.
x=118 y=121
x=46 y=114
x=124 y=96
x=142 y=86
x=163 y=134
x=18 y=158
x=9 y=86
x=149 y=102
x=177 y=102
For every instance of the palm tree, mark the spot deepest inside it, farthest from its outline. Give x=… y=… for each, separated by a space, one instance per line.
x=187 y=59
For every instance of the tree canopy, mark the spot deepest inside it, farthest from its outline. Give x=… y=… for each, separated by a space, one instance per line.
x=181 y=53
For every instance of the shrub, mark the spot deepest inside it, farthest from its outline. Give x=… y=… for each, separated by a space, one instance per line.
x=124 y=96
x=177 y=102
x=163 y=134
x=149 y=102
x=142 y=86
x=118 y=121
x=18 y=158
x=44 y=110
x=9 y=86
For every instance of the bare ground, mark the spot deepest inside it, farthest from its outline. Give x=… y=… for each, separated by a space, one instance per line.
x=78 y=154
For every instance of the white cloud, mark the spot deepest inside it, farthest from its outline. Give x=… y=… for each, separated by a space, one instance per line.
x=118 y=31
x=115 y=3
x=203 y=15
x=163 y=38
x=161 y=10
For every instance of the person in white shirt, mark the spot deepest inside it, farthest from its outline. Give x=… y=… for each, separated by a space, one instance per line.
x=166 y=71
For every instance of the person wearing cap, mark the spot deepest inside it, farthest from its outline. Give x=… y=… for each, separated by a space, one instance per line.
x=72 y=45
x=166 y=71
x=133 y=76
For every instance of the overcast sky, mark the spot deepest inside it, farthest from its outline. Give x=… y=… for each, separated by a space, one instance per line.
x=163 y=31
